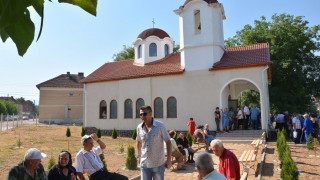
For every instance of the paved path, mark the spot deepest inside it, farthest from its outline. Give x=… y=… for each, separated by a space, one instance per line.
x=11 y=123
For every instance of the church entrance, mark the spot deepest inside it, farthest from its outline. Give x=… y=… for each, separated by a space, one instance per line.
x=240 y=92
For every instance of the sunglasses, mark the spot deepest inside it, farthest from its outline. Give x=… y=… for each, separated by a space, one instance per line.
x=143 y=114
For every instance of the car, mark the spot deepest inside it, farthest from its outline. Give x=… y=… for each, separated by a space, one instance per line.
x=25 y=117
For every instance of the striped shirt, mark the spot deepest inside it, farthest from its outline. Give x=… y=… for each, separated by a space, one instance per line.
x=152 y=150
x=297 y=122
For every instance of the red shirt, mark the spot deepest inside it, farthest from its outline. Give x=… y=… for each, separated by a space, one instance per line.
x=229 y=165
x=192 y=126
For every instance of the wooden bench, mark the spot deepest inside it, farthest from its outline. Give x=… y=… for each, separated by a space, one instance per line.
x=248 y=158
x=257 y=142
x=245 y=174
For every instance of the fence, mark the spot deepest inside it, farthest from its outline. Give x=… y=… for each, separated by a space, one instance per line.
x=11 y=122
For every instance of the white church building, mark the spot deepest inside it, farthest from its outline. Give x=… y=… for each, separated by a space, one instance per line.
x=203 y=76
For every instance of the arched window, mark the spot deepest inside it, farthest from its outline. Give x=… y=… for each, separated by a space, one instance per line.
x=197 y=22
x=158 y=108
x=139 y=103
x=128 y=109
x=166 y=50
x=139 y=52
x=103 y=110
x=172 y=107
x=113 y=109
x=153 y=50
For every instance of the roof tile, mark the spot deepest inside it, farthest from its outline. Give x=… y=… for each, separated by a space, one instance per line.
x=63 y=81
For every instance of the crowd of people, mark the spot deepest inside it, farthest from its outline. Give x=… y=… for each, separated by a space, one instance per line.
x=241 y=118
x=299 y=127
x=152 y=142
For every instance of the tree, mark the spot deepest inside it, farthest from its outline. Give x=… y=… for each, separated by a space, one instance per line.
x=11 y=107
x=114 y=134
x=295 y=65
x=68 y=133
x=126 y=53
x=103 y=160
x=15 y=21
x=98 y=133
x=3 y=108
x=131 y=161
x=134 y=134
x=51 y=163
x=83 y=131
x=249 y=97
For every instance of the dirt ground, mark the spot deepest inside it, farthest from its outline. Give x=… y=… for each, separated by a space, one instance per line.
x=51 y=140
x=308 y=163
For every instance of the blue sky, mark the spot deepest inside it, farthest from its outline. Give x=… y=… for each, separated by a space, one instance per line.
x=73 y=40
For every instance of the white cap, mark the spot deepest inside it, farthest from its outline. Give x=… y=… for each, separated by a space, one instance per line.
x=34 y=153
x=85 y=137
x=305 y=115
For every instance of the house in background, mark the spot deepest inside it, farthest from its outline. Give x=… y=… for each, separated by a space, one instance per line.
x=61 y=99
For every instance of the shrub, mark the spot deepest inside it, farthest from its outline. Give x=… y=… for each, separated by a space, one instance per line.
x=134 y=134
x=51 y=163
x=114 y=134
x=98 y=133
x=194 y=140
x=19 y=142
x=68 y=133
x=131 y=162
x=189 y=138
x=310 y=142
x=103 y=160
x=83 y=131
x=121 y=149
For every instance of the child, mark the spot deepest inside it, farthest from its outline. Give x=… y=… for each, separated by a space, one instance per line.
x=192 y=126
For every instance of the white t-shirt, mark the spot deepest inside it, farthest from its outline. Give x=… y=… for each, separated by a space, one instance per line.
x=246 y=110
x=240 y=115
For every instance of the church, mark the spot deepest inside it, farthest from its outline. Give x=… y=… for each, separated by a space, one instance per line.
x=192 y=83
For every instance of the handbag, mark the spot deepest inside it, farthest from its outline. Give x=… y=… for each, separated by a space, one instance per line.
x=295 y=134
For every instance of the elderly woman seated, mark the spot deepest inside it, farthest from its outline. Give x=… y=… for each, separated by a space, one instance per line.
x=184 y=148
x=175 y=151
x=64 y=169
x=208 y=133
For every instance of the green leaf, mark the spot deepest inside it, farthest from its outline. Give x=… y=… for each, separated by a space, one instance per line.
x=22 y=33
x=37 y=5
x=12 y=11
x=3 y=34
x=88 y=5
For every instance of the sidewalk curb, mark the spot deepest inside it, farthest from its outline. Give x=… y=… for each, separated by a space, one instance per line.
x=262 y=162
x=136 y=178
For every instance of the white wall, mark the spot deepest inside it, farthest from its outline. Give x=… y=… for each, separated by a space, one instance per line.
x=197 y=94
x=209 y=44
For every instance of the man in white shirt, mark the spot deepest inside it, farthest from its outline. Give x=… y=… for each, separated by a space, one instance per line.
x=88 y=160
x=296 y=124
x=246 y=117
x=204 y=165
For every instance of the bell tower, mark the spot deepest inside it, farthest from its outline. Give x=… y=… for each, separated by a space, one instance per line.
x=201 y=34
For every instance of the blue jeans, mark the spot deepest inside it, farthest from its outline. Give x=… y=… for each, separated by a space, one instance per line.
x=254 y=123
x=306 y=135
x=210 y=138
x=156 y=173
x=218 y=124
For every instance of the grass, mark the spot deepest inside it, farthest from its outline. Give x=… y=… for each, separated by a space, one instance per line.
x=52 y=140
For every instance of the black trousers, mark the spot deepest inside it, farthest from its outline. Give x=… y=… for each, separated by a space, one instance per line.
x=297 y=140
x=105 y=175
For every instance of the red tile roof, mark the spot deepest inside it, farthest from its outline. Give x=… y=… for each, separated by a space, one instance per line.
x=244 y=56
x=153 y=32
x=235 y=57
x=127 y=70
x=64 y=81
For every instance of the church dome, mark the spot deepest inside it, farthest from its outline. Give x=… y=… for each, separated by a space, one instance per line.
x=153 y=32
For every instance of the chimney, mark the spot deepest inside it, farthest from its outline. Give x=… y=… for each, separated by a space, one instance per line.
x=81 y=75
x=68 y=74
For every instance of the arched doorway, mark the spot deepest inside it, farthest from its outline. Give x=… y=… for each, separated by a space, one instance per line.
x=232 y=89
